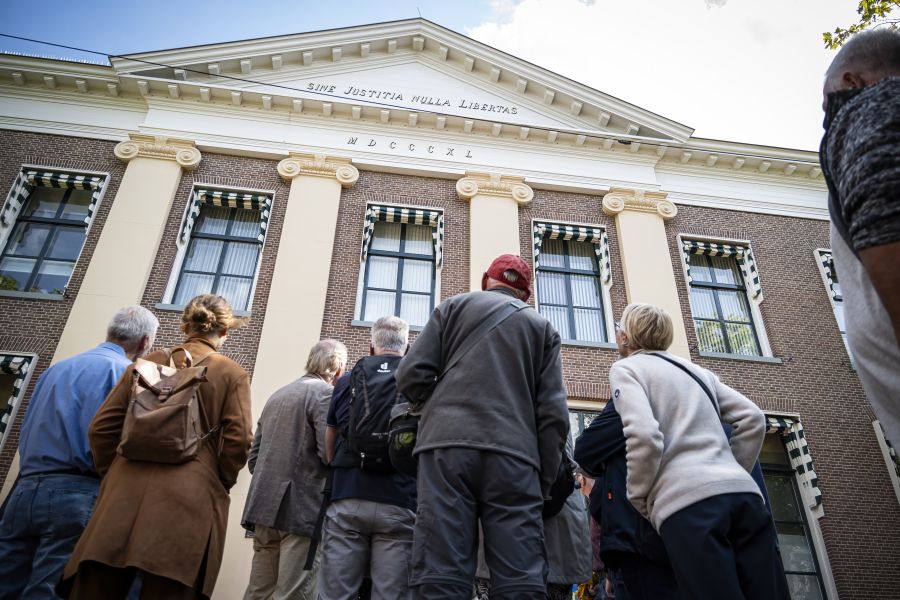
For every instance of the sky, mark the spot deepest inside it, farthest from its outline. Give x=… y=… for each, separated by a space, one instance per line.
x=738 y=70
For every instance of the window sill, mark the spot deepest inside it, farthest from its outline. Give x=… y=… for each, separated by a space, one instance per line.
x=762 y=359
x=584 y=344
x=368 y=325
x=31 y=295
x=180 y=308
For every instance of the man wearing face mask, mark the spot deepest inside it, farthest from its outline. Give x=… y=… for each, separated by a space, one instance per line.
x=860 y=157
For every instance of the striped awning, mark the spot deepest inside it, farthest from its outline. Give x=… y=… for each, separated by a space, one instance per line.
x=403 y=214
x=745 y=259
x=28 y=179
x=791 y=430
x=827 y=262
x=577 y=233
x=242 y=200
x=17 y=366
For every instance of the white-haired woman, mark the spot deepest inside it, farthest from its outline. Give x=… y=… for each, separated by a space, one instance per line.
x=683 y=474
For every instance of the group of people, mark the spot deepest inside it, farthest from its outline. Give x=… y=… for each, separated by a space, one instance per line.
x=671 y=501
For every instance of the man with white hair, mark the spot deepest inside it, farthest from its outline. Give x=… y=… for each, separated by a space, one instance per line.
x=287 y=460
x=52 y=501
x=860 y=156
x=369 y=524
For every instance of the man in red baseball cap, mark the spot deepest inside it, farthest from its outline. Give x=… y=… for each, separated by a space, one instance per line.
x=487 y=373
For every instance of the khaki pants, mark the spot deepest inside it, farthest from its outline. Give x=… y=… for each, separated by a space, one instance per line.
x=277 y=570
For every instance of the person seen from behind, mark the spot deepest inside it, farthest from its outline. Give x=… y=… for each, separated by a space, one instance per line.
x=487 y=373
x=167 y=520
x=860 y=158
x=695 y=488
x=289 y=469
x=368 y=529
x=52 y=500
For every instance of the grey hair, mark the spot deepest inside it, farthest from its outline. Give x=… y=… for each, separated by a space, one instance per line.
x=326 y=358
x=131 y=324
x=510 y=275
x=875 y=51
x=390 y=333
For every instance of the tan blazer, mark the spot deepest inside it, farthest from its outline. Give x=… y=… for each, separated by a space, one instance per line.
x=168 y=519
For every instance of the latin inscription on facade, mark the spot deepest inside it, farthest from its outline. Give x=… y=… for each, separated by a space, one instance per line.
x=426 y=100
x=399 y=147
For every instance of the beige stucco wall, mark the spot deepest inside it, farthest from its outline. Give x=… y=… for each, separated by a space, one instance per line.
x=647 y=269
x=121 y=263
x=493 y=230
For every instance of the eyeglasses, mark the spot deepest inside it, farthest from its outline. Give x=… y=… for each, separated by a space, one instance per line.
x=617 y=326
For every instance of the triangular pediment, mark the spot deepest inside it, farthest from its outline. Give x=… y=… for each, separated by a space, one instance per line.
x=411 y=65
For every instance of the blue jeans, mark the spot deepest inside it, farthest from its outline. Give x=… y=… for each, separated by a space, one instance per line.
x=42 y=521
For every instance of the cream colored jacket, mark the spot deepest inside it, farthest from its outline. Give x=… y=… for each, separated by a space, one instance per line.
x=676 y=451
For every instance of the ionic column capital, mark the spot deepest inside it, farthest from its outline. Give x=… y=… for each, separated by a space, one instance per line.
x=494 y=184
x=161 y=147
x=620 y=199
x=318 y=165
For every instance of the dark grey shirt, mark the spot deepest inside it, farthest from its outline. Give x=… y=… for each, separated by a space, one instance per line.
x=505 y=395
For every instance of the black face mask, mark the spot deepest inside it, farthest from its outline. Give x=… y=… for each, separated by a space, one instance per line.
x=836 y=101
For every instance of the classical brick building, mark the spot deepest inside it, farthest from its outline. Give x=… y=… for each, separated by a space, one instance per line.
x=321 y=180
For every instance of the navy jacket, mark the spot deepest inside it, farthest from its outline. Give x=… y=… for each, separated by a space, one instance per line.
x=600 y=452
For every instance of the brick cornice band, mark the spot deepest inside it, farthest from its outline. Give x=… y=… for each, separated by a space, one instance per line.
x=142 y=145
x=494 y=184
x=620 y=199
x=318 y=165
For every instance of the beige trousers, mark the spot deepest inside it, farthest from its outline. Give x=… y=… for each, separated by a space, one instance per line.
x=277 y=570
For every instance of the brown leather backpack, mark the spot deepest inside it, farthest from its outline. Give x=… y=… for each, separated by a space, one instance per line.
x=163 y=421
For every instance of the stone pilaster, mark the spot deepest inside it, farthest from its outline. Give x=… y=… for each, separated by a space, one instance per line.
x=494 y=202
x=134 y=230
x=646 y=260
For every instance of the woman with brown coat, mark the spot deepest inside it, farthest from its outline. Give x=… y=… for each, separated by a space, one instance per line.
x=167 y=521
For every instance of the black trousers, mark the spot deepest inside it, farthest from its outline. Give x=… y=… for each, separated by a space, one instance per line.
x=724 y=547
x=646 y=579
x=457 y=487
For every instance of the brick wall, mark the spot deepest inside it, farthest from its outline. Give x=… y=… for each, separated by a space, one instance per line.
x=28 y=325
x=222 y=171
x=815 y=379
x=861 y=525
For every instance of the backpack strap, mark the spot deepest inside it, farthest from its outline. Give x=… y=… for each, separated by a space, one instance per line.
x=485 y=327
x=695 y=378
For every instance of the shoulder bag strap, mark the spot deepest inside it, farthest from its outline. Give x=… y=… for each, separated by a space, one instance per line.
x=485 y=327
x=694 y=376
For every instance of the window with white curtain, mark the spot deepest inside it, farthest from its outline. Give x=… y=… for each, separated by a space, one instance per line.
x=721 y=311
x=221 y=256
x=830 y=276
x=399 y=277
x=569 y=291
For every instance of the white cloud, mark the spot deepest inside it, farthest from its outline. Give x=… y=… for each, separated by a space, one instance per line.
x=748 y=71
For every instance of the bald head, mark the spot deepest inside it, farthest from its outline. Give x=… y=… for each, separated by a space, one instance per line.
x=866 y=58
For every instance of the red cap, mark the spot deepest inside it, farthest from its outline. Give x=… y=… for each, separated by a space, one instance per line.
x=509 y=262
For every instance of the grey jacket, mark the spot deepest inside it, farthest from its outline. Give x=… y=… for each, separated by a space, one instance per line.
x=287 y=458
x=506 y=395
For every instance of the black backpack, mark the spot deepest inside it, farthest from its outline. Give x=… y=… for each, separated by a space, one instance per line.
x=373 y=393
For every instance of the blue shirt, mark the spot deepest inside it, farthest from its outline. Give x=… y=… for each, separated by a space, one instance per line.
x=388 y=488
x=54 y=435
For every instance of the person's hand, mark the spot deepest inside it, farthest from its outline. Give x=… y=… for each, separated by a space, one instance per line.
x=609 y=587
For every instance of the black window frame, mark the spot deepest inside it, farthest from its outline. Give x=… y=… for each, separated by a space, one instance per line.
x=567 y=271
x=55 y=223
x=228 y=239
x=402 y=256
x=715 y=287
x=784 y=470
